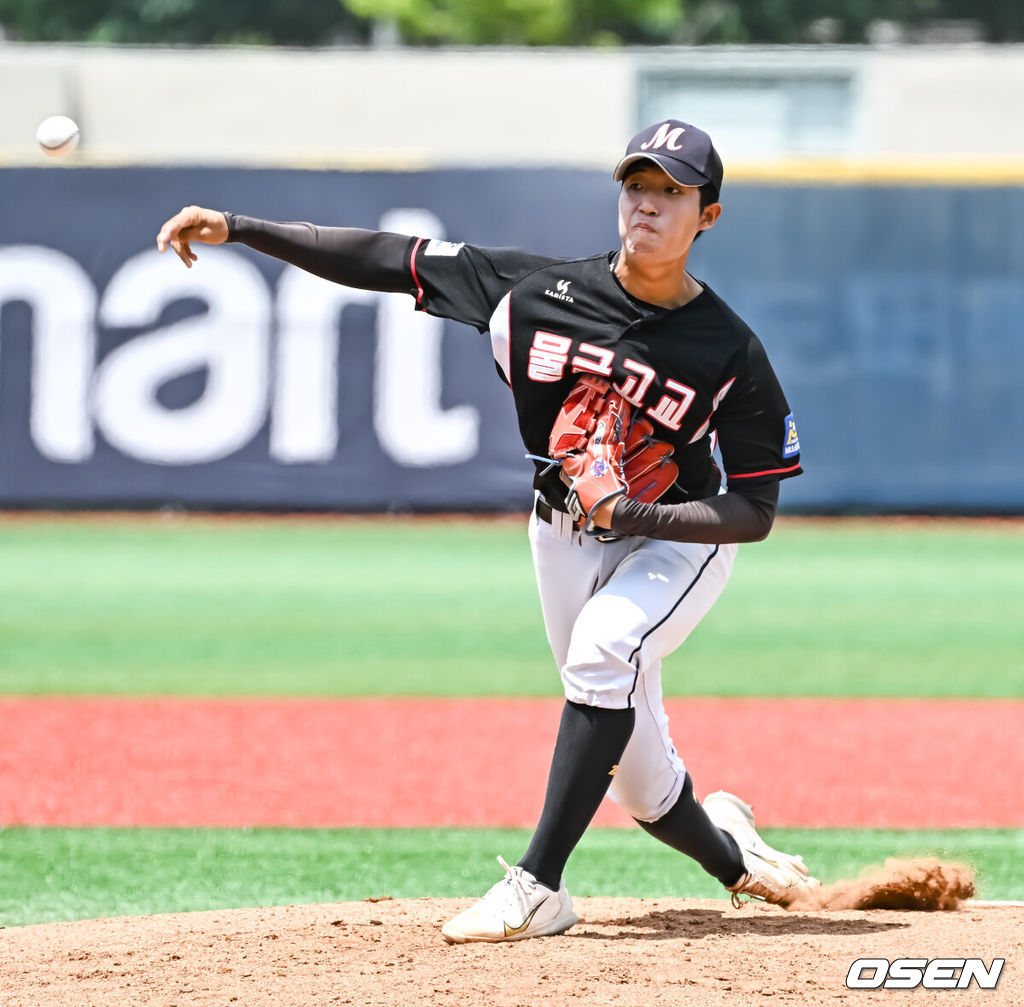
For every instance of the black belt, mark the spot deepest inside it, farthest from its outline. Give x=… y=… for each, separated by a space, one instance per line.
x=546 y=512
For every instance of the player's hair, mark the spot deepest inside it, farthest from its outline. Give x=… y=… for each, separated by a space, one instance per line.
x=708 y=195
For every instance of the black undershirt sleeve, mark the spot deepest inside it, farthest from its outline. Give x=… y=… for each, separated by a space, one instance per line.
x=737 y=516
x=379 y=260
x=368 y=260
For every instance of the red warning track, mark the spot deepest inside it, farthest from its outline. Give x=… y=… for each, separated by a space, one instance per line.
x=471 y=762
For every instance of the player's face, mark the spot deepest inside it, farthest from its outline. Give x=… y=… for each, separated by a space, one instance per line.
x=658 y=218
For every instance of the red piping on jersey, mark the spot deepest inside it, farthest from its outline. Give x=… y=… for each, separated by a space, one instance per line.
x=412 y=267
x=767 y=472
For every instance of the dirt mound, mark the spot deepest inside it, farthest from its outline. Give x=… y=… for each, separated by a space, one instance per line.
x=623 y=952
x=924 y=884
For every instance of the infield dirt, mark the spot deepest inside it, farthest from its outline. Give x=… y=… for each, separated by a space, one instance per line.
x=623 y=952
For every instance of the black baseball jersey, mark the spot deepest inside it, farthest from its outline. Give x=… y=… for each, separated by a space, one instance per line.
x=697 y=372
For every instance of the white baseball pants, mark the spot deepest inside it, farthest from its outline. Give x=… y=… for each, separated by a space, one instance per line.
x=612 y=611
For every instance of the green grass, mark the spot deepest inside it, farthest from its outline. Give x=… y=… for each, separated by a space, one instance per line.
x=379 y=607
x=62 y=874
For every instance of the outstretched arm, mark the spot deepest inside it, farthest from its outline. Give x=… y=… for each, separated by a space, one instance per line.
x=369 y=260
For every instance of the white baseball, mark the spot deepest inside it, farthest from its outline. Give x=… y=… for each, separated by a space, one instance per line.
x=57 y=136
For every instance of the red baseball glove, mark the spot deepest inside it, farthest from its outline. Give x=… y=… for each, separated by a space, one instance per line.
x=577 y=418
x=596 y=473
x=648 y=463
x=606 y=453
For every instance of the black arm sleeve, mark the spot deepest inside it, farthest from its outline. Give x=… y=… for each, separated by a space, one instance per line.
x=369 y=260
x=737 y=516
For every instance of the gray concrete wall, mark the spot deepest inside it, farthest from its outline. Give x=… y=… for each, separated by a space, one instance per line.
x=404 y=107
x=945 y=102
x=409 y=108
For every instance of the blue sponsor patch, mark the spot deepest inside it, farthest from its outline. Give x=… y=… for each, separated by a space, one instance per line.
x=791 y=446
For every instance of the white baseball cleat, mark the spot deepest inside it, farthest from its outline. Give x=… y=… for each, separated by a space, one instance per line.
x=517 y=907
x=771 y=876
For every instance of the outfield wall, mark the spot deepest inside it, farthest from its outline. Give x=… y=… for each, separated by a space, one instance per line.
x=892 y=313
x=414 y=108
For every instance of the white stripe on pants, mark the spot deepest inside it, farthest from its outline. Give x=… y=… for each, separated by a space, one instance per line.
x=612 y=612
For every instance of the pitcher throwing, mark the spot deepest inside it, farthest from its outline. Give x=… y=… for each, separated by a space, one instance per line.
x=627 y=373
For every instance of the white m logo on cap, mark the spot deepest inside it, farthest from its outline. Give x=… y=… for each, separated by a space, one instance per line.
x=665 y=137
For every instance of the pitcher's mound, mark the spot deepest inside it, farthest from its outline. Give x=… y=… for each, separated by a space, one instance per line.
x=387 y=953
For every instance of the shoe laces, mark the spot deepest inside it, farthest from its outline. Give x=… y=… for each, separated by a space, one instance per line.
x=514 y=885
x=744 y=886
x=766 y=888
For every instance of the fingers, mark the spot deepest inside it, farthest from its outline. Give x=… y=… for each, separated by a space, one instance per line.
x=173 y=227
x=184 y=251
x=164 y=235
x=179 y=231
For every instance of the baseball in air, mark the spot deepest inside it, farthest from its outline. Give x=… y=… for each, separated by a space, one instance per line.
x=57 y=136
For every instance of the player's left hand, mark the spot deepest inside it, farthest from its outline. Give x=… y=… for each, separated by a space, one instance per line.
x=604 y=455
x=601 y=514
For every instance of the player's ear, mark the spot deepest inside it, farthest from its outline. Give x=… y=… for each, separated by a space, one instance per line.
x=709 y=215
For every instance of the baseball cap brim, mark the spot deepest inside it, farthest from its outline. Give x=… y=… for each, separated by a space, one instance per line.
x=679 y=172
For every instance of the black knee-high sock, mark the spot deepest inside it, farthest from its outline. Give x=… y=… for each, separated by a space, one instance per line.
x=687 y=828
x=589 y=745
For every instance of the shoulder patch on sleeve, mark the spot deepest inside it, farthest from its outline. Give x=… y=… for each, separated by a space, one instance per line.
x=436 y=247
x=791 y=446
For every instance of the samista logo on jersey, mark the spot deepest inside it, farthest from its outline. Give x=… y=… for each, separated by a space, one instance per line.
x=561 y=293
x=792 y=443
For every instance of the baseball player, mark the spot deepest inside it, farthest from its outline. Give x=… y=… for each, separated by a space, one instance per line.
x=627 y=374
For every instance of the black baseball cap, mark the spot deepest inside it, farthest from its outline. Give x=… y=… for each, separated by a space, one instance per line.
x=684 y=152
